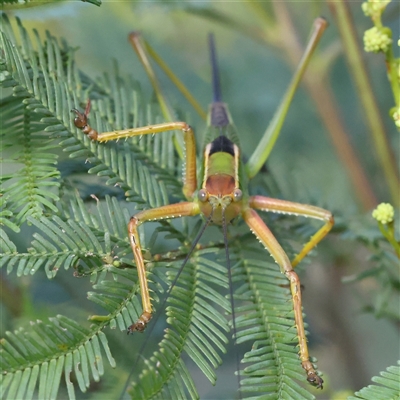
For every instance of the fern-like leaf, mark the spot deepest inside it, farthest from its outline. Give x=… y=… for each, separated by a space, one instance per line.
x=6 y=216
x=16 y=4
x=35 y=360
x=196 y=328
x=268 y=322
x=46 y=86
x=30 y=190
x=389 y=386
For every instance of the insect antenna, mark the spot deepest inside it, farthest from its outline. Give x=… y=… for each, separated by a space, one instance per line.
x=228 y=265
x=163 y=303
x=219 y=117
x=216 y=84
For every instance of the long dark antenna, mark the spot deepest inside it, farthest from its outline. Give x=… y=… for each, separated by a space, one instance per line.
x=228 y=265
x=219 y=115
x=216 y=85
x=162 y=305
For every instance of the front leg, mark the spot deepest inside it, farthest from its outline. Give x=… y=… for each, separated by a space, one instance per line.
x=288 y=207
x=166 y=212
x=258 y=227
x=156 y=214
x=189 y=172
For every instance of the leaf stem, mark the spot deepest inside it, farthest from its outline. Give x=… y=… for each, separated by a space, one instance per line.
x=388 y=233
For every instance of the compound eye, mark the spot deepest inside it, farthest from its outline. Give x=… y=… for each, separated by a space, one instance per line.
x=203 y=195
x=237 y=195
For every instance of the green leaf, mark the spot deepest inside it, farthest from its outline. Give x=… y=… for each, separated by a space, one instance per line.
x=40 y=356
x=16 y=4
x=388 y=388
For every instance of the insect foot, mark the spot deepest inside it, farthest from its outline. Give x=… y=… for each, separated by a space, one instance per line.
x=312 y=376
x=81 y=122
x=140 y=324
x=315 y=380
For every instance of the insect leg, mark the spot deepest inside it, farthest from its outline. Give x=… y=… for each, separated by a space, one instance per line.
x=258 y=227
x=170 y=211
x=287 y=207
x=264 y=147
x=189 y=173
x=144 y=51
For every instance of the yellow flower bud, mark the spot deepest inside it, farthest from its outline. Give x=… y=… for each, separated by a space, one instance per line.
x=376 y=40
x=384 y=213
x=372 y=7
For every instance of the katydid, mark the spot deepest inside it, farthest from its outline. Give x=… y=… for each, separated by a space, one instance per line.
x=221 y=196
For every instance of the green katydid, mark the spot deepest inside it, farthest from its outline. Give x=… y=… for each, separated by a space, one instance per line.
x=222 y=194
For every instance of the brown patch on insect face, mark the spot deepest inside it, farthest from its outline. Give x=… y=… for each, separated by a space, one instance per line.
x=220 y=185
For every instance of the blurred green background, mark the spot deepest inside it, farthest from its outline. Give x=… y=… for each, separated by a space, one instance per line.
x=351 y=346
